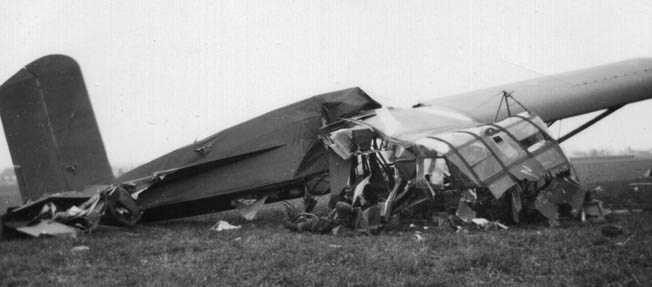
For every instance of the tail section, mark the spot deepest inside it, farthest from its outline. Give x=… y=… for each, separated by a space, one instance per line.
x=53 y=138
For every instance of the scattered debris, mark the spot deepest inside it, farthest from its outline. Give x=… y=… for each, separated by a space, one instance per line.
x=622 y=243
x=249 y=207
x=49 y=228
x=637 y=184
x=611 y=230
x=465 y=213
x=593 y=210
x=482 y=222
x=67 y=214
x=608 y=211
x=223 y=225
x=80 y=248
x=486 y=224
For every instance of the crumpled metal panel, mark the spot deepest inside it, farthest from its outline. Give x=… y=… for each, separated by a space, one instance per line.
x=67 y=214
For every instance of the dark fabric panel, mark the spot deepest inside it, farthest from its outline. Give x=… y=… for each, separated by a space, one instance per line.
x=272 y=126
x=241 y=174
x=30 y=142
x=252 y=165
x=71 y=116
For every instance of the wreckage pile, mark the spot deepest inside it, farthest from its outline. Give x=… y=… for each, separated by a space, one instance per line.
x=384 y=168
x=70 y=213
x=379 y=164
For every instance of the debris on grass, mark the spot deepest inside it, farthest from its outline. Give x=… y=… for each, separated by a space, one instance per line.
x=70 y=213
x=611 y=230
x=223 y=225
x=49 y=228
x=249 y=207
x=622 y=243
x=593 y=211
x=80 y=248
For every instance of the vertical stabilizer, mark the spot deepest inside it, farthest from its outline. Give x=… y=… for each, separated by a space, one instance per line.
x=53 y=138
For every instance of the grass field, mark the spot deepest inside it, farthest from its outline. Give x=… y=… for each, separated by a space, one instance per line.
x=262 y=253
x=594 y=171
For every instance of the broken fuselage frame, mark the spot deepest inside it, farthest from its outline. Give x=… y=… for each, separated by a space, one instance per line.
x=506 y=170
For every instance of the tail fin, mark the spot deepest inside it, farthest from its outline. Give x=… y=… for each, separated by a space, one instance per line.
x=53 y=138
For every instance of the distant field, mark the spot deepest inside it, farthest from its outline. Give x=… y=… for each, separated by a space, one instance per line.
x=617 y=179
x=592 y=171
x=185 y=252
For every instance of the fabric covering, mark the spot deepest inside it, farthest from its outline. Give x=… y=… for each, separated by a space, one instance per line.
x=278 y=149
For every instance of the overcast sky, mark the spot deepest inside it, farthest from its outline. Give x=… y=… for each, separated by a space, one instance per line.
x=162 y=75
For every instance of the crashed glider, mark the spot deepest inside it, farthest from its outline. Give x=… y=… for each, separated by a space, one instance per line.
x=491 y=143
